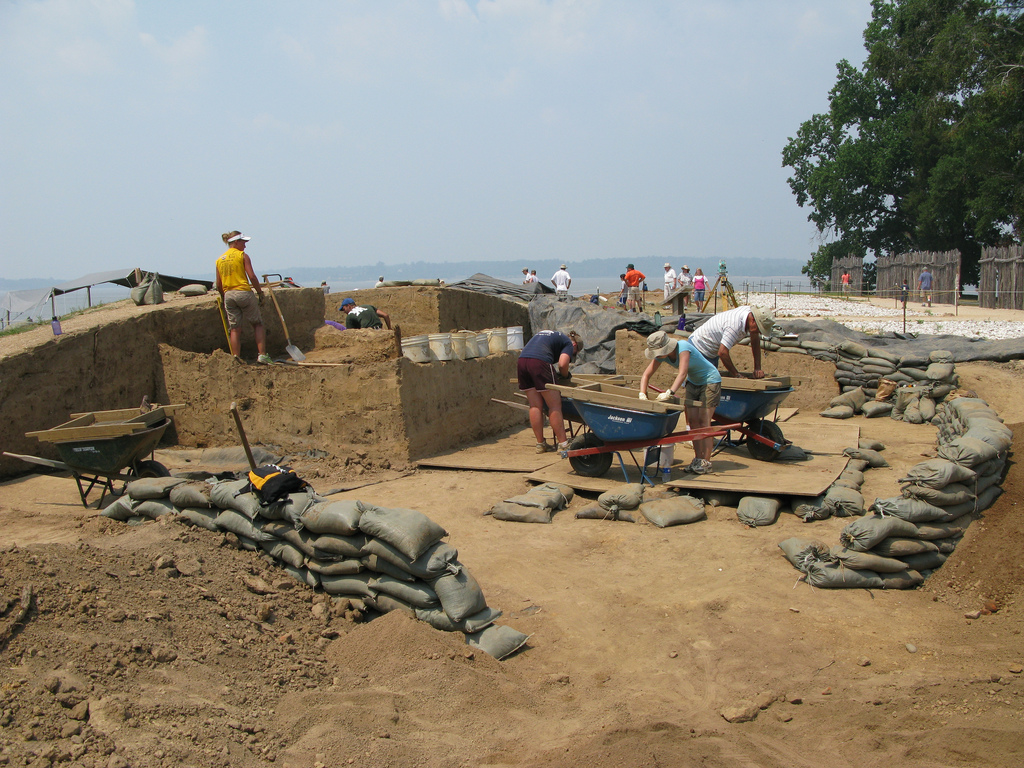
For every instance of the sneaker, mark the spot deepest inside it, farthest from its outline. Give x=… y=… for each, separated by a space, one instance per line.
x=544 y=448
x=264 y=359
x=562 y=447
x=700 y=467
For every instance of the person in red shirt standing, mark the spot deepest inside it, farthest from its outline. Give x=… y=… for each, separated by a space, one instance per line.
x=634 y=296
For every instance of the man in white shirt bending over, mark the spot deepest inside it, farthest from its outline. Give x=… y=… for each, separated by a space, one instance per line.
x=561 y=280
x=718 y=335
x=670 y=280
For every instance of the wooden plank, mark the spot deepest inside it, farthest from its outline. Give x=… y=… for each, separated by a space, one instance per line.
x=732 y=472
x=589 y=395
x=785 y=414
x=93 y=431
x=756 y=385
x=123 y=414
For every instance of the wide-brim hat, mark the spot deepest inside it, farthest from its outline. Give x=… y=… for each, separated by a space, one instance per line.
x=659 y=344
x=764 y=319
x=667 y=265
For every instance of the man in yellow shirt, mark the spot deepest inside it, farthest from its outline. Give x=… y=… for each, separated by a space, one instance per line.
x=235 y=283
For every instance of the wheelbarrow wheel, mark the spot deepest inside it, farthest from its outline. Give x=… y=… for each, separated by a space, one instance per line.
x=591 y=465
x=150 y=468
x=770 y=430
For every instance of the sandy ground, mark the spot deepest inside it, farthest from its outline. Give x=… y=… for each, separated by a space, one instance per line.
x=155 y=646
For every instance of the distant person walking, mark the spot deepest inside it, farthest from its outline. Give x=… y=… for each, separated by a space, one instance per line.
x=561 y=280
x=924 y=287
x=846 y=282
x=670 y=280
x=634 y=293
x=236 y=282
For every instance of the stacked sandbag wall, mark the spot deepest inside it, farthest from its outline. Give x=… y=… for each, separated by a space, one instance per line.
x=388 y=558
x=907 y=537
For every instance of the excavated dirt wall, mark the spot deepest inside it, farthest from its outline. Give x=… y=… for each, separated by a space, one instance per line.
x=816 y=388
x=427 y=309
x=353 y=408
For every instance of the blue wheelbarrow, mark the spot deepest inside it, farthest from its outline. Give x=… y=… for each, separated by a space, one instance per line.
x=622 y=423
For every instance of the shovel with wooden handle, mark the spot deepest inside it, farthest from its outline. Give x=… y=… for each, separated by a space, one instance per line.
x=293 y=351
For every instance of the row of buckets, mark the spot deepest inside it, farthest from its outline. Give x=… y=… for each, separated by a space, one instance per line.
x=462 y=345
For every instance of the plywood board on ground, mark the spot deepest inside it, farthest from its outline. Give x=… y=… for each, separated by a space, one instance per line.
x=733 y=471
x=738 y=471
x=510 y=453
x=813 y=437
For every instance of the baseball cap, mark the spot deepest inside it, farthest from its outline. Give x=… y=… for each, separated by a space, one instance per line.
x=347 y=303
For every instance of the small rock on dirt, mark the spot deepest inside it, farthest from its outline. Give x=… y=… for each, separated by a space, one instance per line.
x=80 y=711
x=744 y=712
x=863 y=661
x=911 y=648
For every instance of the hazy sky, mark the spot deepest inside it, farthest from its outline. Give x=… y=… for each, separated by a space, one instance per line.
x=354 y=131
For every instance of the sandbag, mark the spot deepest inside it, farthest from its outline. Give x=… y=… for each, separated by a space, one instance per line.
x=912 y=413
x=337 y=546
x=283 y=551
x=904 y=580
x=987 y=498
x=193 y=493
x=378 y=564
x=301 y=540
x=937 y=473
x=356 y=584
x=910 y=509
x=897 y=547
x=927 y=408
x=952 y=494
x=940 y=356
x=193 y=289
x=440 y=558
x=843 y=502
x=853 y=349
x=302 y=575
x=497 y=640
x=873 y=458
x=868 y=444
x=241 y=525
x=518 y=513
x=756 y=511
x=154 y=508
x=855 y=398
x=340 y=518
x=939 y=371
x=121 y=509
x=333 y=567
x=148 y=291
x=925 y=561
x=967 y=451
x=865 y=533
x=866 y=561
x=417 y=594
x=816 y=346
x=597 y=512
x=408 y=531
x=834 y=575
x=681 y=510
x=812 y=509
x=838 y=412
x=991 y=432
x=153 y=487
x=201 y=517
x=876 y=409
x=627 y=497
x=799 y=551
x=842 y=482
x=875 y=361
x=551 y=496
x=861 y=465
x=232 y=494
x=438 y=619
x=853 y=475
x=386 y=604
x=459 y=593
x=291 y=507
x=933 y=531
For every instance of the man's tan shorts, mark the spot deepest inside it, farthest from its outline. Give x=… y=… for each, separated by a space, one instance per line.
x=635 y=292
x=239 y=304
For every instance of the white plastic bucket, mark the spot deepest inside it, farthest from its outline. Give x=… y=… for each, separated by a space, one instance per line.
x=514 y=337
x=440 y=346
x=497 y=340
x=417 y=349
x=483 y=344
x=459 y=346
x=469 y=339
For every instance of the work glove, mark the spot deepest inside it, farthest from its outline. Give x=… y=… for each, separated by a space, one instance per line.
x=666 y=395
x=563 y=380
x=643 y=395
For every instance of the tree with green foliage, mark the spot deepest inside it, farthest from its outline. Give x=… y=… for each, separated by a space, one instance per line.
x=923 y=146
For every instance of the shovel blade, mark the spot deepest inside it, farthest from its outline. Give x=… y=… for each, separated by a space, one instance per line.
x=295 y=353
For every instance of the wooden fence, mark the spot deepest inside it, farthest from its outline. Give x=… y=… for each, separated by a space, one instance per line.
x=945 y=269
x=1001 y=285
x=855 y=266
